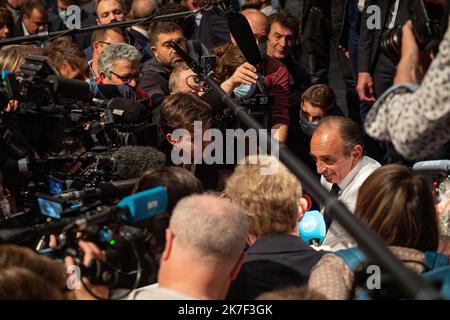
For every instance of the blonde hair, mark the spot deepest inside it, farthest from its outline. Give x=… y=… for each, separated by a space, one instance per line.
x=270 y=201
x=11 y=59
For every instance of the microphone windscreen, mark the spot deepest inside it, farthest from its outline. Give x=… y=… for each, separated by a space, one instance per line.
x=71 y=88
x=131 y=162
x=312 y=227
x=242 y=33
x=129 y=110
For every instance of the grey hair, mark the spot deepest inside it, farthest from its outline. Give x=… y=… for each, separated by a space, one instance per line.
x=212 y=226
x=349 y=131
x=174 y=79
x=115 y=52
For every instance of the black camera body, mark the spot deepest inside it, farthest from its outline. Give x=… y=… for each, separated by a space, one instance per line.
x=427 y=21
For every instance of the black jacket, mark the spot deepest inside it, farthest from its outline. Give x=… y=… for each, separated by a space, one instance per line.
x=274 y=262
x=370 y=39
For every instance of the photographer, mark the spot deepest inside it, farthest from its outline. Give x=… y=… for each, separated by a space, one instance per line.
x=415 y=117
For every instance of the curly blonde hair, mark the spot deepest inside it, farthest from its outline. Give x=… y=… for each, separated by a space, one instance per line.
x=270 y=201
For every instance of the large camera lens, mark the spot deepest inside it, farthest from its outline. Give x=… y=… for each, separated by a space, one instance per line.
x=391 y=43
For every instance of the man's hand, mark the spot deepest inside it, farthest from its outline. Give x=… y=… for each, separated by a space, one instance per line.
x=90 y=251
x=365 y=87
x=244 y=74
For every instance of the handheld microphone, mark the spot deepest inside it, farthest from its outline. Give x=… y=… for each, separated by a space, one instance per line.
x=312 y=228
x=433 y=167
x=243 y=35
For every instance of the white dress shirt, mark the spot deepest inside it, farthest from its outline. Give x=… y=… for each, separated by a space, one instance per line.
x=336 y=237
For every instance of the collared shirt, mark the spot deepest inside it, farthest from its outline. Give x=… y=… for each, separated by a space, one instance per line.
x=336 y=237
x=25 y=31
x=154 y=292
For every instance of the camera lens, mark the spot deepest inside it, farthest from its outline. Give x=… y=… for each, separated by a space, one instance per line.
x=391 y=43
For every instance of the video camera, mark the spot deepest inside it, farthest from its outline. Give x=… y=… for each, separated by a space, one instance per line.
x=428 y=21
x=111 y=228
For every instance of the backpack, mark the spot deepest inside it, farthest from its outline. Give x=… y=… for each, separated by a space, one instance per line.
x=437 y=269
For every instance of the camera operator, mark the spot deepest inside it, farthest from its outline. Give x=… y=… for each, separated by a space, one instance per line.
x=413 y=116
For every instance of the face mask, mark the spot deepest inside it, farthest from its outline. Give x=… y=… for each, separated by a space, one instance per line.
x=5 y=208
x=245 y=91
x=64 y=15
x=306 y=126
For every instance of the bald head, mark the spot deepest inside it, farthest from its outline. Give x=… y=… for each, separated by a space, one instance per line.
x=142 y=8
x=258 y=22
x=210 y=225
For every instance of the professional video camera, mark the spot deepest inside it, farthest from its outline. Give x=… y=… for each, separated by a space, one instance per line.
x=111 y=228
x=428 y=25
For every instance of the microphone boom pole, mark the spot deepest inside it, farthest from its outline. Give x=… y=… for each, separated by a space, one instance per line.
x=43 y=36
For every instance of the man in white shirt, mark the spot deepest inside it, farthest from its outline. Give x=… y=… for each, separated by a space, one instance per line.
x=336 y=147
x=204 y=251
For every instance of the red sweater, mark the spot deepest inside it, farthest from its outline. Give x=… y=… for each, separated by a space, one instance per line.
x=276 y=81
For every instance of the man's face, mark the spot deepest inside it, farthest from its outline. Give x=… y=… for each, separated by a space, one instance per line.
x=311 y=113
x=124 y=72
x=36 y=22
x=186 y=83
x=111 y=37
x=327 y=150
x=281 y=41
x=162 y=50
x=187 y=142
x=78 y=70
x=109 y=11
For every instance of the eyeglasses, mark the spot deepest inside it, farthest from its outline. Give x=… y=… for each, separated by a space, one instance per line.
x=128 y=78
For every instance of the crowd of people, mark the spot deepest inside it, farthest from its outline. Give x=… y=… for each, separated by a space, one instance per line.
x=230 y=232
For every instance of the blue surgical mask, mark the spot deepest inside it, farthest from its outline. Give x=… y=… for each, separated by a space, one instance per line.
x=306 y=126
x=64 y=15
x=245 y=91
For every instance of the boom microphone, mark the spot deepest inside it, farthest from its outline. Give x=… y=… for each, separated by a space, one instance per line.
x=71 y=88
x=129 y=110
x=242 y=33
x=106 y=190
x=132 y=161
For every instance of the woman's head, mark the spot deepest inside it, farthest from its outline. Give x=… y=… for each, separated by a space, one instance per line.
x=11 y=59
x=398 y=205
